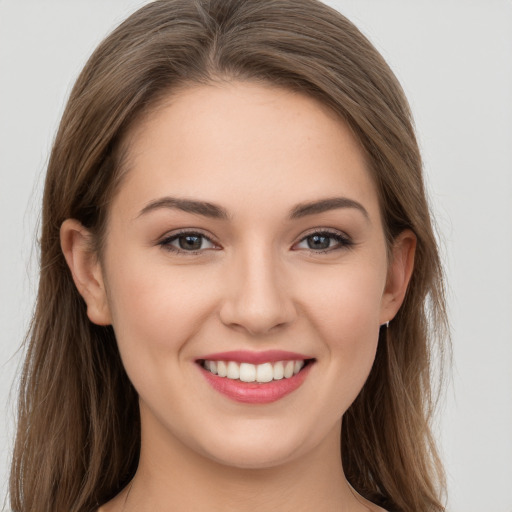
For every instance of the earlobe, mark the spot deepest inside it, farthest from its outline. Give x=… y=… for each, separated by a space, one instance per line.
x=399 y=274
x=75 y=241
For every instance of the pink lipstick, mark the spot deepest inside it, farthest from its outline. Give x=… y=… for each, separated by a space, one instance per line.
x=255 y=377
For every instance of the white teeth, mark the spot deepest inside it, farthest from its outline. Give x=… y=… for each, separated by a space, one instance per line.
x=222 y=369
x=248 y=372
x=279 y=370
x=264 y=372
x=288 y=369
x=233 y=370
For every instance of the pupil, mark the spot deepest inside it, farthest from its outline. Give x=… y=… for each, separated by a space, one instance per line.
x=190 y=242
x=318 y=242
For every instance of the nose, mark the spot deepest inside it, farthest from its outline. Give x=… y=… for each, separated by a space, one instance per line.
x=257 y=297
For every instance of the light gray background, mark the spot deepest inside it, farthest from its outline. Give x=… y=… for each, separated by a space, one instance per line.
x=454 y=59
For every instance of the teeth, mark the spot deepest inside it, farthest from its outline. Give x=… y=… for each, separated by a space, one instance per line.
x=264 y=372
x=222 y=369
x=288 y=369
x=279 y=370
x=212 y=366
x=248 y=372
x=233 y=370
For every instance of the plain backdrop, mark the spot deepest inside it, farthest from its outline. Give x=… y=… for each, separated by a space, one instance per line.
x=454 y=59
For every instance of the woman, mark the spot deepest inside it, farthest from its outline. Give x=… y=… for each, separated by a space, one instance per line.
x=239 y=279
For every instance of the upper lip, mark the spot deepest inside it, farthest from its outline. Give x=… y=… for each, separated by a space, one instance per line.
x=247 y=356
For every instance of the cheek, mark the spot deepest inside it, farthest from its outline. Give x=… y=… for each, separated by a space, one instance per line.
x=348 y=301
x=155 y=310
x=345 y=312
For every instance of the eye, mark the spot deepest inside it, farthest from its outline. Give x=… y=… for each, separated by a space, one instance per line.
x=324 y=241
x=190 y=242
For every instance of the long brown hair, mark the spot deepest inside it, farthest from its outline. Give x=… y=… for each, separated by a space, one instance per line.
x=78 y=436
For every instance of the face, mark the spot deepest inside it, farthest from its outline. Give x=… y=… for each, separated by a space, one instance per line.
x=246 y=237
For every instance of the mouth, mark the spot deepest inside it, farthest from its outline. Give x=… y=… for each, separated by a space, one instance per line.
x=255 y=378
x=260 y=373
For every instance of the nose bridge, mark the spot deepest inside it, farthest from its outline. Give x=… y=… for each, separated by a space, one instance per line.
x=258 y=296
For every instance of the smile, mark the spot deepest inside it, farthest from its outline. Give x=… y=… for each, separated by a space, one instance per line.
x=247 y=372
x=255 y=377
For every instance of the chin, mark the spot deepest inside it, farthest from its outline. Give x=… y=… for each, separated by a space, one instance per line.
x=255 y=459
x=260 y=449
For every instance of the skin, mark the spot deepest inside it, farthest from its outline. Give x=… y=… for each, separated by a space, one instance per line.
x=256 y=151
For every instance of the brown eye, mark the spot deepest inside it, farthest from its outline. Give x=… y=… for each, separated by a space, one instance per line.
x=190 y=242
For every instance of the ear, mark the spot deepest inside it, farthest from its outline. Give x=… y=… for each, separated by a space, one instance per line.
x=75 y=241
x=399 y=274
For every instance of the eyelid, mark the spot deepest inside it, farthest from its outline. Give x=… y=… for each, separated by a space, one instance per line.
x=344 y=240
x=165 y=241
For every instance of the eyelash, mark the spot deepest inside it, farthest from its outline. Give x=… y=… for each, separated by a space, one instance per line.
x=166 y=242
x=343 y=241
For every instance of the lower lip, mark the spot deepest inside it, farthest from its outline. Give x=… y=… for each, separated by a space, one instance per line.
x=254 y=392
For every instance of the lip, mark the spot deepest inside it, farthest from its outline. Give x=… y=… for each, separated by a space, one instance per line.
x=253 y=392
x=247 y=356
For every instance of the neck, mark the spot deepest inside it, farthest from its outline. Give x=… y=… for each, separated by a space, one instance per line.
x=171 y=476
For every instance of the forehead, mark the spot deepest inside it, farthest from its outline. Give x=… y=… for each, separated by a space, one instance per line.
x=242 y=140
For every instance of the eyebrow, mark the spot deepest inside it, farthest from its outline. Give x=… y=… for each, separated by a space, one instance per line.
x=324 y=205
x=214 y=211
x=203 y=208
